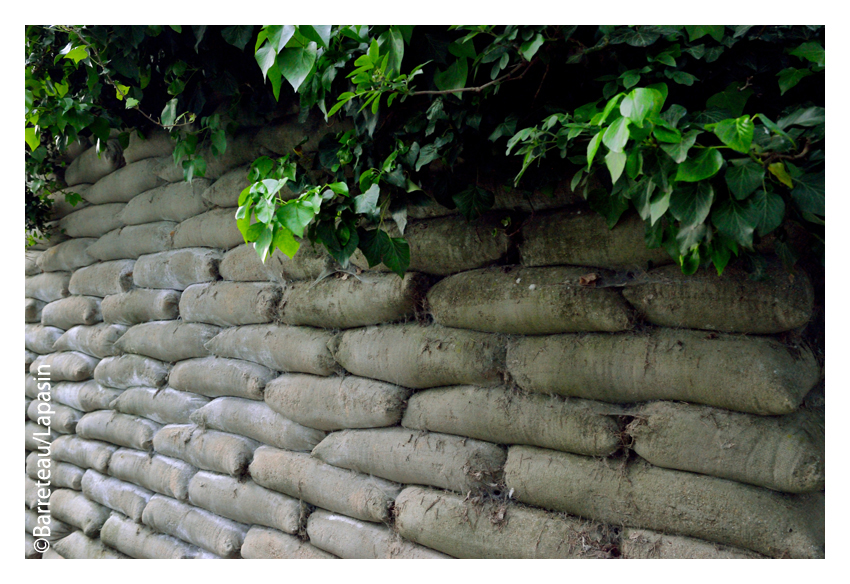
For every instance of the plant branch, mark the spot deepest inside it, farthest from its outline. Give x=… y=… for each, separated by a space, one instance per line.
x=504 y=78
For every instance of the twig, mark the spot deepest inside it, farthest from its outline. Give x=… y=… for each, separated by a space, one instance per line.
x=507 y=77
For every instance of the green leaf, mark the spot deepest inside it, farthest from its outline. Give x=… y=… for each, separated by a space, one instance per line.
x=690 y=204
x=237 y=35
x=285 y=242
x=452 y=78
x=681 y=77
x=769 y=210
x=395 y=48
x=610 y=206
x=296 y=215
x=634 y=163
x=809 y=193
x=699 y=31
x=530 y=48
x=296 y=63
x=665 y=133
x=169 y=113
x=808 y=117
x=321 y=33
x=777 y=169
x=733 y=98
x=592 y=147
x=367 y=203
x=265 y=57
x=702 y=166
x=690 y=236
x=609 y=107
x=263 y=243
x=735 y=221
x=32 y=138
x=131 y=103
x=254 y=231
x=474 y=201
x=737 y=134
x=790 y=77
x=630 y=79
x=639 y=103
x=279 y=35
x=659 y=204
x=743 y=177
x=616 y=135
x=679 y=152
x=378 y=247
x=812 y=51
x=615 y=161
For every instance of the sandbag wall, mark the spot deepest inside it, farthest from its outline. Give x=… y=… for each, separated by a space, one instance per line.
x=551 y=389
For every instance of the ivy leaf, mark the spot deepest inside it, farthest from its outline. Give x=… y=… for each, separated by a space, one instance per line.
x=169 y=113
x=679 y=152
x=735 y=221
x=690 y=236
x=592 y=147
x=237 y=35
x=77 y=54
x=636 y=38
x=737 y=134
x=279 y=35
x=790 y=77
x=367 y=203
x=264 y=242
x=659 y=204
x=616 y=162
x=809 y=194
x=769 y=209
x=639 y=103
x=778 y=170
x=295 y=63
x=296 y=215
x=321 y=33
x=474 y=201
x=807 y=118
x=690 y=204
x=702 y=166
x=379 y=247
x=610 y=206
x=452 y=78
x=285 y=242
x=616 y=135
x=699 y=31
x=32 y=138
x=743 y=177
x=530 y=48
x=265 y=57
x=733 y=98
x=811 y=51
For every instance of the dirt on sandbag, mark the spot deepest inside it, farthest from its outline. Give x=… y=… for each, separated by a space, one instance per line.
x=645 y=544
x=32 y=310
x=63 y=419
x=243 y=264
x=155 y=145
x=39 y=338
x=264 y=543
x=141 y=542
x=86 y=396
x=79 y=547
x=63 y=475
x=131 y=371
x=177 y=269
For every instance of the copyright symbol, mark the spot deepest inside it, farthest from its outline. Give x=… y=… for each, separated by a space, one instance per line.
x=41 y=545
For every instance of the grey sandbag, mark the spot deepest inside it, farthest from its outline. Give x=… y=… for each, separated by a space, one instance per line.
x=218 y=535
x=353 y=539
x=31 y=496
x=31 y=262
x=120 y=429
x=67 y=256
x=52 y=554
x=256 y=420
x=83 y=453
x=72 y=311
x=92 y=221
x=30 y=553
x=133 y=241
x=215 y=228
x=141 y=542
x=60 y=418
x=264 y=543
x=78 y=510
x=206 y=449
x=30 y=357
x=103 y=279
x=757 y=375
x=225 y=191
x=245 y=502
x=124 y=184
x=32 y=310
x=53 y=235
x=281 y=348
x=675 y=502
x=495 y=530
x=456 y=463
x=731 y=303
x=116 y=494
x=645 y=544
x=339 y=303
x=242 y=148
x=527 y=301
x=86 y=396
x=36 y=436
x=164 y=405
x=302 y=476
x=167 y=340
x=67 y=366
x=230 y=303
x=141 y=305
x=217 y=377
x=154 y=145
x=52 y=529
x=91 y=165
x=177 y=269
x=507 y=417
x=582 y=238
x=243 y=264
x=784 y=453
x=416 y=356
x=98 y=340
x=169 y=202
x=131 y=371
x=39 y=338
x=158 y=473
x=62 y=474
x=334 y=403
x=48 y=286
x=79 y=547
x=62 y=207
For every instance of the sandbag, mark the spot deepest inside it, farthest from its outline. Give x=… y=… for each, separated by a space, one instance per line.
x=79 y=547
x=32 y=310
x=294 y=132
x=155 y=145
x=241 y=148
x=62 y=207
x=30 y=553
x=415 y=356
x=141 y=542
x=141 y=305
x=351 y=302
x=245 y=502
x=165 y=406
x=334 y=403
x=558 y=195
x=405 y=456
x=38 y=437
x=45 y=526
x=243 y=264
x=169 y=202
x=281 y=348
x=86 y=396
x=353 y=539
x=230 y=303
x=177 y=269
x=38 y=240
x=731 y=303
x=124 y=184
x=304 y=477
x=133 y=241
x=495 y=530
x=256 y=420
x=582 y=238
x=78 y=510
x=225 y=191
x=167 y=340
x=215 y=228
x=784 y=453
x=52 y=554
x=83 y=453
x=31 y=497
x=103 y=279
x=67 y=366
x=60 y=418
x=29 y=357
x=98 y=340
x=757 y=375
x=48 y=286
x=72 y=311
x=507 y=417
x=644 y=544
x=39 y=338
x=158 y=473
x=92 y=221
x=206 y=449
x=217 y=377
x=31 y=262
x=120 y=429
x=263 y=543
x=116 y=494
x=91 y=165
x=131 y=371
x=62 y=474
x=218 y=535
x=67 y=256
x=527 y=301
x=675 y=502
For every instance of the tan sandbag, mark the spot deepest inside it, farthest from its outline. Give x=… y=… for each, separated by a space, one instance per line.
x=42 y=525
x=417 y=356
x=133 y=241
x=131 y=371
x=278 y=347
x=61 y=418
x=748 y=374
x=91 y=165
x=256 y=420
x=497 y=529
x=83 y=453
x=301 y=476
x=61 y=474
x=670 y=501
x=527 y=301
x=154 y=145
x=141 y=305
x=116 y=494
x=79 y=547
x=78 y=510
x=508 y=417
x=225 y=191
x=264 y=543
x=62 y=207
x=93 y=220
x=124 y=184
x=334 y=403
x=230 y=303
x=67 y=366
x=72 y=311
x=103 y=279
x=52 y=235
x=67 y=256
x=32 y=310
x=241 y=148
x=168 y=202
x=120 y=429
x=158 y=473
x=141 y=542
x=86 y=396
x=645 y=544
x=243 y=264
x=48 y=286
x=215 y=228
x=38 y=437
x=98 y=340
x=164 y=405
x=39 y=338
x=206 y=449
x=167 y=340
x=31 y=262
x=177 y=269
x=217 y=377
